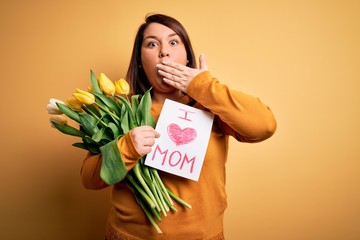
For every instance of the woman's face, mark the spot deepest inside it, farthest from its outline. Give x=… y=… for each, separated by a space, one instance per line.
x=160 y=43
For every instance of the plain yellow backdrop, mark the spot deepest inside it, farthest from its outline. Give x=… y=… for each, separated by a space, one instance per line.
x=300 y=57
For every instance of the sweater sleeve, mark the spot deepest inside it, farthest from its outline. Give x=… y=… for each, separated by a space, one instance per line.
x=90 y=170
x=237 y=114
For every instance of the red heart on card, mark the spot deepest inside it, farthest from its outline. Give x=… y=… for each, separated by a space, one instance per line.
x=181 y=136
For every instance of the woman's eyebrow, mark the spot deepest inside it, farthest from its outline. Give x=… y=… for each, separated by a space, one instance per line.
x=154 y=37
x=150 y=36
x=172 y=34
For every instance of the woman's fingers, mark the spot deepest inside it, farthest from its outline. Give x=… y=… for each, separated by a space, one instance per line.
x=172 y=71
x=178 y=75
x=143 y=138
x=202 y=62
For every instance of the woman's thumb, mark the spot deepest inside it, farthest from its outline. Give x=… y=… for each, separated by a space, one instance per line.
x=202 y=62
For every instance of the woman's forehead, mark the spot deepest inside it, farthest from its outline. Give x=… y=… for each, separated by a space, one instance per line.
x=156 y=30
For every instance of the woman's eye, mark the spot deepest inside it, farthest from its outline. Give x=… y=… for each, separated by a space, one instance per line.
x=174 y=42
x=151 y=44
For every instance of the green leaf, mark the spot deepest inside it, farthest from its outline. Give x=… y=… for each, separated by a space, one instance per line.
x=103 y=134
x=89 y=147
x=115 y=130
x=108 y=135
x=143 y=113
x=111 y=104
x=69 y=130
x=80 y=145
x=88 y=140
x=113 y=169
x=94 y=83
x=89 y=123
x=125 y=122
x=102 y=105
x=93 y=109
x=135 y=102
x=68 y=111
x=98 y=135
x=132 y=119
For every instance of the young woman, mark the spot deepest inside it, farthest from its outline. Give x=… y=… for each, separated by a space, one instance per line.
x=163 y=59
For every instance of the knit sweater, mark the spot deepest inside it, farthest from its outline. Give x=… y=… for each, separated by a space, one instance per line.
x=239 y=115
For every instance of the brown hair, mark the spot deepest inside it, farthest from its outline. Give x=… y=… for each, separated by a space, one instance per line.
x=135 y=74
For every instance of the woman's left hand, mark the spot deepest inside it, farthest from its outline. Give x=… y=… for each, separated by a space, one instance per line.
x=178 y=75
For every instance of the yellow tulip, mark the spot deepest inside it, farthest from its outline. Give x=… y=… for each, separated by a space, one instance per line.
x=84 y=97
x=52 y=108
x=106 y=85
x=74 y=104
x=60 y=119
x=122 y=87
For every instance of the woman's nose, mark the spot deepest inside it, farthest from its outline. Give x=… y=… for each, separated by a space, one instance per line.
x=164 y=53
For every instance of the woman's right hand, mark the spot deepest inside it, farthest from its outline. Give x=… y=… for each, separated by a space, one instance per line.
x=143 y=138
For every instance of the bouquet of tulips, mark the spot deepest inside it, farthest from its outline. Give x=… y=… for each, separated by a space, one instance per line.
x=104 y=114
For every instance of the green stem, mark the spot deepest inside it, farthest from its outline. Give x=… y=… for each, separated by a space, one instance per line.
x=179 y=200
x=173 y=208
x=147 y=213
x=162 y=186
x=139 y=189
x=159 y=197
x=95 y=116
x=137 y=172
x=109 y=112
x=146 y=175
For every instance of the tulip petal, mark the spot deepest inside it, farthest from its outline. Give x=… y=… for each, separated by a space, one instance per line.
x=60 y=119
x=84 y=97
x=53 y=101
x=74 y=104
x=106 y=85
x=53 y=111
x=52 y=108
x=122 y=87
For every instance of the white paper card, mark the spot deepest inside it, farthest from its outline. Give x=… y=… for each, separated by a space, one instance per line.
x=184 y=137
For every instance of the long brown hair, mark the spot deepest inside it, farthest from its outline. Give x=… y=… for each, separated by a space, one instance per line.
x=135 y=75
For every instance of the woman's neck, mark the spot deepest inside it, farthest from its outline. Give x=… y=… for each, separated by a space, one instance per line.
x=160 y=97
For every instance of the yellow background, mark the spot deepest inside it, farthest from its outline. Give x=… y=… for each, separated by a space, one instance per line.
x=300 y=57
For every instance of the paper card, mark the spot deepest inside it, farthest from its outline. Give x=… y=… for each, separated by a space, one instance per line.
x=184 y=137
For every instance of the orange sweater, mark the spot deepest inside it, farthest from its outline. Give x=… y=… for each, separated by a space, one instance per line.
x=237 y=114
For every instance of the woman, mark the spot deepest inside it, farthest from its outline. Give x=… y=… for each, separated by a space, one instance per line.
x=163 y=59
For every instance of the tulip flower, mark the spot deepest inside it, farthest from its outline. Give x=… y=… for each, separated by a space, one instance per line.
x=60 y=119
x=122 y=87
x=52 y=108
x=106 y=85
x=84 y=97
x=74 y=104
